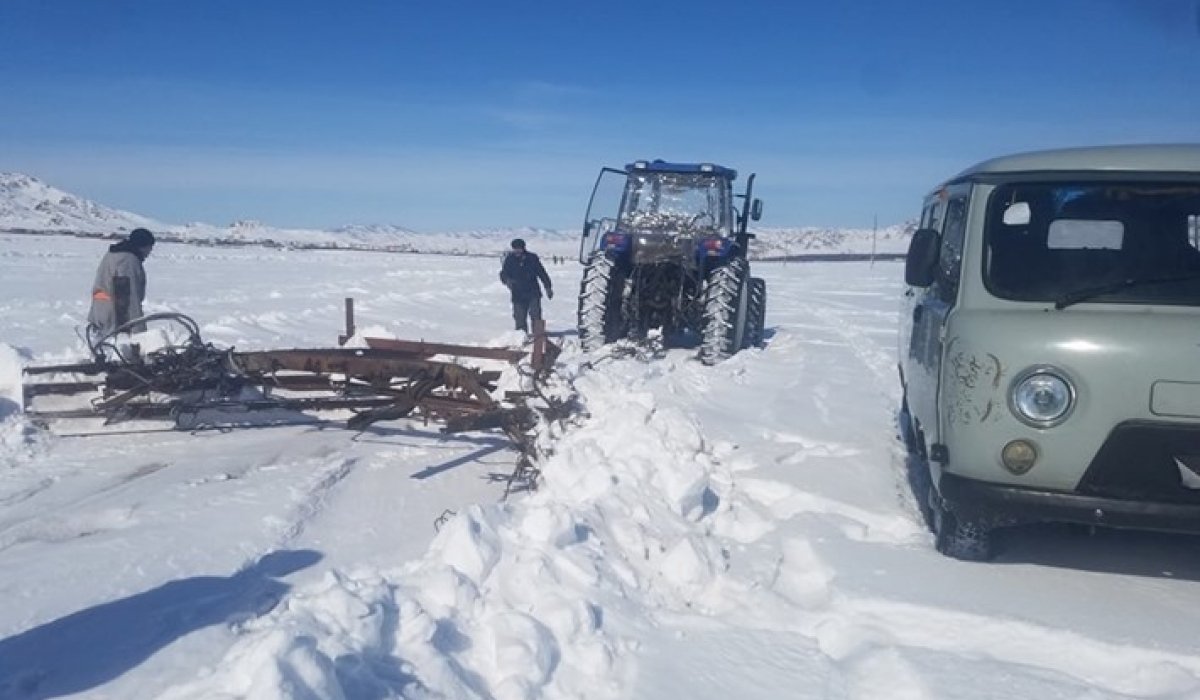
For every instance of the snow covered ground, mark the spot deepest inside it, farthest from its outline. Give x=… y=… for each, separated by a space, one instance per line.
x=739 y=531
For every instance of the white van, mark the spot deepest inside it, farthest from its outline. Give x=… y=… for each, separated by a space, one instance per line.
x=1050 y=344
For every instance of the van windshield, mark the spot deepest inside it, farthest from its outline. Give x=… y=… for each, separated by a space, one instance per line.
x=1112 y=242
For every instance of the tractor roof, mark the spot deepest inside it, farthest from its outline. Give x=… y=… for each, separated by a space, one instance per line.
x=662 y=166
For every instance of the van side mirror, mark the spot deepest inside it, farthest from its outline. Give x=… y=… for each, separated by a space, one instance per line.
x=921 y=262
x=756 y=210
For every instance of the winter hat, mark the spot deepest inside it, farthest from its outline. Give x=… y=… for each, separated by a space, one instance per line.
x=140 y=238
x=518 y=244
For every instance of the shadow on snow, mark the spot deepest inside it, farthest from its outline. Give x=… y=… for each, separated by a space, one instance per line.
x=91 y=647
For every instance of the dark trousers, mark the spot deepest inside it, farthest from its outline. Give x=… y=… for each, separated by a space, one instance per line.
x=522 y=308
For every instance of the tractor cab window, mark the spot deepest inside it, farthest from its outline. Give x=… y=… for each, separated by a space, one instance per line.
x=676 y=203
x=1110 y=242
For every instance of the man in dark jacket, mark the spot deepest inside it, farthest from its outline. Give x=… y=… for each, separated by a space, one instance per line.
x=520 y=273
x=120 y=286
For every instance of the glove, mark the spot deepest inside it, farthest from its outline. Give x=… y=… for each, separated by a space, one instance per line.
x=549 y=293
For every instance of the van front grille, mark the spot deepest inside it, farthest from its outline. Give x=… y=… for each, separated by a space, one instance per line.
x=1146 y=461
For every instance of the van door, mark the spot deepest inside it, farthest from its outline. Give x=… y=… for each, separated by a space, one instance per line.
x=929 y=307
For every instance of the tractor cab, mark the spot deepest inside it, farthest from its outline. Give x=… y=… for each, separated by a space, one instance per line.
x=660 y=211
x=664 y=247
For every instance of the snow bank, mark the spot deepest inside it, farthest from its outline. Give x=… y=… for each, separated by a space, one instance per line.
x=512 y=600
x=11 y=397
x=13 y=434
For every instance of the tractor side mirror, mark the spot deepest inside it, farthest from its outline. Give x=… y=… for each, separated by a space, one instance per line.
x=921 y=262
x=756 y=210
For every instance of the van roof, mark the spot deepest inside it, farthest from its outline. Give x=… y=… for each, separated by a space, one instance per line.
x=1132 y=158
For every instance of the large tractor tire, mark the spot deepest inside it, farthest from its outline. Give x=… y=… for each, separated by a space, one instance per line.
x=601 y=296
x=756 y=314
x=726 y=302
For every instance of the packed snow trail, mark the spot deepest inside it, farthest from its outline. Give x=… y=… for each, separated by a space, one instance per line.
x=743 y=530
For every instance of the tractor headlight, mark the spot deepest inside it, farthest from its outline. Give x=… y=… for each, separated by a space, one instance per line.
x=1042 y=397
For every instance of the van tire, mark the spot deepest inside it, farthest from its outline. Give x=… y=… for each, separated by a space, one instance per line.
x=916 y=466
x=968 y=540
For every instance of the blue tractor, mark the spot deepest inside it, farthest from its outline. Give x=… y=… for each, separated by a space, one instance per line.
x=664 y=246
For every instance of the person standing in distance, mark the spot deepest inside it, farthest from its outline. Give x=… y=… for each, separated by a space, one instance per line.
x=520 y=273
x=120 y=287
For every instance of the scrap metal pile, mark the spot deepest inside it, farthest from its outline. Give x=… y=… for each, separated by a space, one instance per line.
x=191 y=382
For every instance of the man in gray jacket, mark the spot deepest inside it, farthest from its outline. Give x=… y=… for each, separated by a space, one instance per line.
x=120 y=286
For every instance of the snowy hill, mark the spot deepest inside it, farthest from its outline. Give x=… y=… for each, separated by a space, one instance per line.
x=780 y=242
x=28 y=205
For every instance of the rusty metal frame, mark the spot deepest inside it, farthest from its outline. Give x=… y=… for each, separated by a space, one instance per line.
x=377 y=384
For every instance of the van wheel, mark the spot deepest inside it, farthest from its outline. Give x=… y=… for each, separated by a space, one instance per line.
x=916 y=467
x=969 y=540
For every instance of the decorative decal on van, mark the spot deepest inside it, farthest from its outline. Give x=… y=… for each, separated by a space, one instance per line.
x=974 y=394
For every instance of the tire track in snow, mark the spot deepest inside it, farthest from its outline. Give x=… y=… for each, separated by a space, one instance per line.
x=72 y=519
x=880 y=361
x=868 y=637
x=314 y=501
x=857 y=626
x=26 y=493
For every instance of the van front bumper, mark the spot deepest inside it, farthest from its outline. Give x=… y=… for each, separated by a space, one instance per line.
x=1002 y=503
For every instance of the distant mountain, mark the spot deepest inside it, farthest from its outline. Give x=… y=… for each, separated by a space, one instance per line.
x=781 y=242
x=30 y=205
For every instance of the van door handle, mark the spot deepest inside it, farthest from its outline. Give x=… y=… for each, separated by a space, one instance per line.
x=918 y=311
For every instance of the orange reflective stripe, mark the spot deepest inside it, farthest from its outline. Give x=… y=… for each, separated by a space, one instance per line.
x=100 y=295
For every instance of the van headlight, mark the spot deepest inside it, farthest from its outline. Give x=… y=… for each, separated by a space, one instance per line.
x=1042 y=397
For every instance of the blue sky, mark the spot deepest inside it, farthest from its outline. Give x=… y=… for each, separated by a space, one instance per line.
x=449 y=115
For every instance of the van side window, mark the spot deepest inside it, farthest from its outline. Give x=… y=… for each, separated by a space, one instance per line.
x=933 y=215
x=950 y=259
x=927 y=215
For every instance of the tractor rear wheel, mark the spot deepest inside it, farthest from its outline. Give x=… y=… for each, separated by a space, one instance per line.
x=756 y=313
x=726 y=300
x=601 y=296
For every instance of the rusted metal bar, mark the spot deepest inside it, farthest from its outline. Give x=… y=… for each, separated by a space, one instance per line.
x=421 y=348
x=61 y=388
x=449 y=405
x=539 y=343
x=370 y=364
x=344 y=338
x=122 y=398
x=139 y=409
x=75 y=368
x=512 y=420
